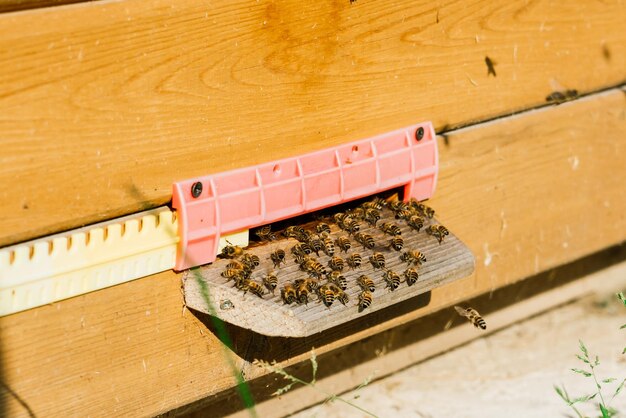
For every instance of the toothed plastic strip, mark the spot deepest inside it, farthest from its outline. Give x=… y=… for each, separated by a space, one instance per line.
x=211 y=206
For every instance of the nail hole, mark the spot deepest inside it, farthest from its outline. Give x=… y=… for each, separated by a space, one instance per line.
x=31 y=252
x=419 y=134
x=12 y=257
x=123 y=231
x=196 y=189
x=106 y=234
x=355 y=149
x=69 y=243
x=87 y=238
x=50 y=247
x=276 y=170
x=140 y=224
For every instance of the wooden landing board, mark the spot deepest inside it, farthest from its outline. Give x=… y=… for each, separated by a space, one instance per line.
x=445 y=263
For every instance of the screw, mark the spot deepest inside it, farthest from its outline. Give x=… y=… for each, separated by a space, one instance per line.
x=419 y=134
x=196 y=189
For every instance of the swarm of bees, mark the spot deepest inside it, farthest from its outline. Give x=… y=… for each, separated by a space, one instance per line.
x=353 y=249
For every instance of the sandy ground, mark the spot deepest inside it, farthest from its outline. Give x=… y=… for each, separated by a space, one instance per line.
x=510 y=373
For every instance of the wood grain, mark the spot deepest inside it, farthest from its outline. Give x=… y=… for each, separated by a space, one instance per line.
x=103 y=105
x=525 y=193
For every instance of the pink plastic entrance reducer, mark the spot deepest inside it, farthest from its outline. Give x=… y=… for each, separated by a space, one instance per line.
x=219 y=204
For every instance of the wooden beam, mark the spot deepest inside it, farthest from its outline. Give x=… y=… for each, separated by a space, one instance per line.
x=525 y=193
x=103 y=105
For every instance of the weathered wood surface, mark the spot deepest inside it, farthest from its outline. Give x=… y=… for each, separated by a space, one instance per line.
x=103 y=105
x=445 y=262
x=524 y=193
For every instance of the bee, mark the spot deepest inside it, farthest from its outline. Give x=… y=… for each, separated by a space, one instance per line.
x=339 y=217
x=340 y=295
x=311 y=284
x=327 y=294
x=396 y=243
x=302 y=292
x=329 y=246
x=288 y=293
x=251 y=260
x=491 y=66
x=350 y=225
x=322 y=227
x=254 y=287
x=234 y=274
x=358 y=214
x=231 y=251
x=473 y=316
x=365 y=240
x=270 y=281
x=373 y=204
x=300 y=258
x=372 y=216
x=337 y=278
x=404 y=214
x=398 y=205
x=365 y=300
x=294 y=231
x=265 y=233
x=313 y=268
x=301 y=248
x=416 y=222
x=410 y=275
x=343 y=243
x=413 y=257
x=390 y=228
x=354 y=260
x=420 y=207
x=238 y=265
x=315 y=243
x=377 y=260
x=336 y=263
x=392 y=279
x=278 y=257
x=366 y=283
x=438 y=231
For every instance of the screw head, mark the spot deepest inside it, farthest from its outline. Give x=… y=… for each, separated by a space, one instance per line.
x=196 y=189
x=419 y=134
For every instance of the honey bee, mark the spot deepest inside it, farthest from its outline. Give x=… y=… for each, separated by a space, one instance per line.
x=336 y=263
x=438 y=231
x=410 y=275
x=473 y=316
x=313 y=268
x=329 y=247
x=278 y=257
x=392 y=279
x=288 y=293
x=300 y=258
x=294 y=231
x=311 y=284
x=339 y=217
x=327 y=294
x=343 y=243
x=357 y=214
x=398 y=205
x=231 y=251
x=340 y=295
x=377 y=260
x=390 y=228
x=365 y=240
x=238 y=265
x=254 y=287
x=396 y=243
x=416 y=222
x=302 y=292
x=366 y=283
x=350 y=225
x=270 y=281
x=413 y=257
x=251 y=260
x=404 y=214
x=365 y=300
x=420 y=207
x=337 y=278
x=354 y=260
x=372 y=216
x=315 y=243
x=265 y=233
x=322 y=227
x=301 y=248
x=234 y=274
x=377 y=204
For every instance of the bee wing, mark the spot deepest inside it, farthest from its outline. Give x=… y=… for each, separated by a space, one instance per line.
x=461 y=311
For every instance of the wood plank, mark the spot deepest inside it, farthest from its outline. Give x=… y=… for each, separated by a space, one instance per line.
x=15 y=5
x=104 y=105
x=131 y=350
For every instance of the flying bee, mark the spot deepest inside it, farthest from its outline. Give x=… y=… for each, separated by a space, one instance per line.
x=366 y=240
x=322 y=227
x=265 y=233
x=392 y=279
x=343 y=243
x=473 y=316
x=438 y=231
x=372 y=216
x=302 y=292
x=251 y=260
x=410 y=275
x=390 y=228
x=413 y=257
x=327 y=294
x=404 y=214
x=278 y=257
x=234 y=274
x=288 y=293
x=270 y=281
x=254 y=287
x=377 y=260
x=336 y=263
x=231 y=251
x=416 y=222
x=354 y=260
x=396 y=243
x=366 y=283
x=301 y=248
x=365 y=300
x=329 y=246
x=313 y=268
x=315 y=243
x=337 y=278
